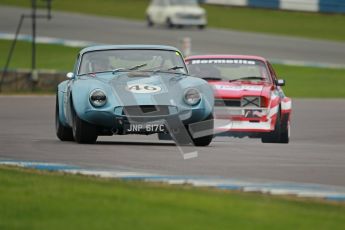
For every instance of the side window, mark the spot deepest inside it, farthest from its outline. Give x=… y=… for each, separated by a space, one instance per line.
x=155 y=2
x=158 y=2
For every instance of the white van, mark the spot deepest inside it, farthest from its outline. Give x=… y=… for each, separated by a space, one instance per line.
x=177 y=13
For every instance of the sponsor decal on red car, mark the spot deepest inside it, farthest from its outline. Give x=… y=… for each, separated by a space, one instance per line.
x=249 y=100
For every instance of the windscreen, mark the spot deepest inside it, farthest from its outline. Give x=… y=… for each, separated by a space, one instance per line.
x=229 y=69
x=183 y=2
x=138 y=59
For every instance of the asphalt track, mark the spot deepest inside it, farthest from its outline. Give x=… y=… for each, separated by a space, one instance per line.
x=316 y=153
x=118 y=31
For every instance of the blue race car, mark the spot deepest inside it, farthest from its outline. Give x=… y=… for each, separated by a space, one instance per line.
x=133 y=89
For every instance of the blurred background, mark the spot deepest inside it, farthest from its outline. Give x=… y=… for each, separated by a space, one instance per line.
x=303 y=39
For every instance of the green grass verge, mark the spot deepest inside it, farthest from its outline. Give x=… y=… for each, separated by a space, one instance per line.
x=301 y=81
x=309 y=82
x=310 y=25
x=55 y=57
x=41 y=200
x=299 y=24
x=130 y=9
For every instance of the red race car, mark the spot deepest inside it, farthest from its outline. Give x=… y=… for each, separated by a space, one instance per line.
x=249 y=101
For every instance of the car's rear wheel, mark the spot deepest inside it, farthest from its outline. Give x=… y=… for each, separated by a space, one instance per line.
x=206 y=126
x=62 y=132
x=83 y=132
x=149 y=21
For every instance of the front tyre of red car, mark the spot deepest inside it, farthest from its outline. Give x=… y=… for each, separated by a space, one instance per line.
x=281 y=133
x=285 y=131
x=62 y=132
x=83 y=132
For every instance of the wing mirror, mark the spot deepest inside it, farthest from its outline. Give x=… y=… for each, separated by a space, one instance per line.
x=280 y=82
x=70 y=75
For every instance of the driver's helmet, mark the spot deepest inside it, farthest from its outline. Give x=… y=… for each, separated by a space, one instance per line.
x=204 y=70
x=99 y=64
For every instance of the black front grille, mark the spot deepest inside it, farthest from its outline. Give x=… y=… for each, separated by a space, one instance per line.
x=146 y=110
x=228 y=102
x=191 y=16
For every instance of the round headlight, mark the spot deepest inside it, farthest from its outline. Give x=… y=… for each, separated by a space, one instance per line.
x=192 y=96
x=98 y=98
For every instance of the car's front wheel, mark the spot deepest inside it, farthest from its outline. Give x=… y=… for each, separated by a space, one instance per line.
x=281 y=133
x=201 y=27
x=285 y=131
x=83 y=132
x=169 y=23
x=62 y=132
x=206 y=126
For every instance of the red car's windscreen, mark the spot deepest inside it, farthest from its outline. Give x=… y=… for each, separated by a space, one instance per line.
x=229 y=69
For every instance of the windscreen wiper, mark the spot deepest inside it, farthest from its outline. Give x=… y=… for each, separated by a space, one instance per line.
x=172 y=68
x=130 y=69
x=247 y=78
x=138 y=66
x=212 y=78
x=175 y=68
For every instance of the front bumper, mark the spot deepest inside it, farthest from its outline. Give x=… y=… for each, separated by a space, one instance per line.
x=243 y=126
x=117 y=119
x=248 y=119
x=189 y=21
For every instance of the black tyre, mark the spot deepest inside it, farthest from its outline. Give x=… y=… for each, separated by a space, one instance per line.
x=281 y=133
x=201 y=27
x=285 y=131
x=169 y=23
x=62 y=132
x=205 y=140
x=273 y=137
x=83 y=132
x=149 y=21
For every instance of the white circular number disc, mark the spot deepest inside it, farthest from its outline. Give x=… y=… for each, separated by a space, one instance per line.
x=143 y=88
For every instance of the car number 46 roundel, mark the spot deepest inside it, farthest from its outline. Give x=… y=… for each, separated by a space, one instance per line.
x=143 y=88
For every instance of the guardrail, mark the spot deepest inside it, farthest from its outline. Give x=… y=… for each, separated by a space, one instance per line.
x=324 y=6
x=20 y=80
